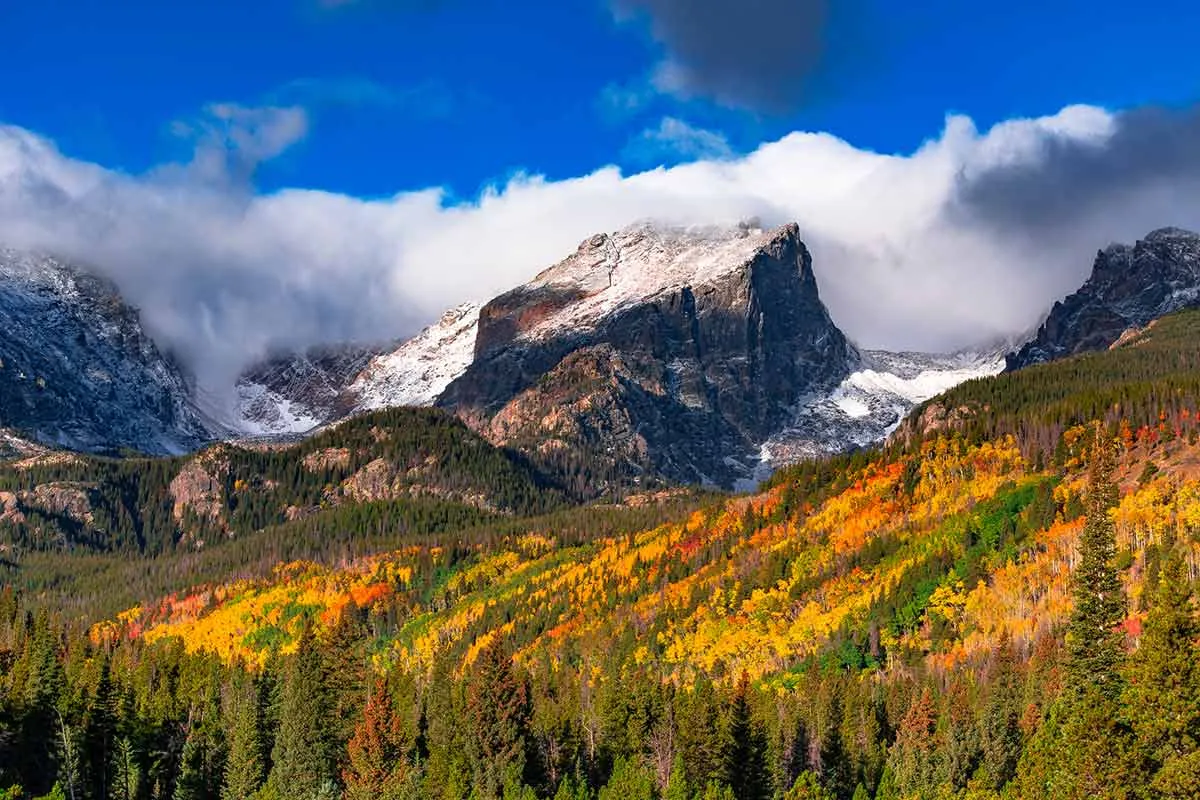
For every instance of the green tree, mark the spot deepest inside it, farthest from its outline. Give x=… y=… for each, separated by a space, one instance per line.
x=498 y=713
x=745 y=760
x=1095 y=643
x=808 y=787
x=677 y=784
x=1000 y=726
x=244 y=767
x=1163 y=697
x=629 y=781
x=303 y=760
x=127 y=772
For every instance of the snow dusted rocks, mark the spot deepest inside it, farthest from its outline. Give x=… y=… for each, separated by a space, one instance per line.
x=702 y=354
x=655 y=351
x=78 y=371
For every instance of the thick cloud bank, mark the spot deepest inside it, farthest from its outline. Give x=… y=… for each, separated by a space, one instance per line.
x=972 y=235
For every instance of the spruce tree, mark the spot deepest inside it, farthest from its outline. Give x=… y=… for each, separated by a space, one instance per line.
x=100 y=733
x=498 y=713
x=244 y=767
x=1000 y=729
x=303 y=758
x=1095 y=644
x=1164 y=692
x=745 y=763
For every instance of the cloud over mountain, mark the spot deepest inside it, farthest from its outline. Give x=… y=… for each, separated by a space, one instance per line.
x=928 y=250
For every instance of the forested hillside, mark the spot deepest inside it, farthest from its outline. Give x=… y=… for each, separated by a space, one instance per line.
x=350 y=476
x=973 y=612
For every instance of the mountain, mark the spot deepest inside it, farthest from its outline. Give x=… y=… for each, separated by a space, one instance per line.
x=669 y=351
x=1150 y=372
x=699 y=354
x=1129 y=286
x=77 y=370
x=295 y=393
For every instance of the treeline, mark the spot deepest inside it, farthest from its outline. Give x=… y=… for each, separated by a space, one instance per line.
x=1152 y=377
x=1078 y=713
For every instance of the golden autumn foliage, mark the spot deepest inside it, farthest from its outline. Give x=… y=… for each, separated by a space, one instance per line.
x=745 y=586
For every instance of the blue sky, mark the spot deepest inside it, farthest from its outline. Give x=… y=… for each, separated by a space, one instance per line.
x=464 y=93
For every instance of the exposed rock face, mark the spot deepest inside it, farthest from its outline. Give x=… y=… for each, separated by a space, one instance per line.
x=678 y=351
x=1129 y=287
x=78 y=371
x=198 y=491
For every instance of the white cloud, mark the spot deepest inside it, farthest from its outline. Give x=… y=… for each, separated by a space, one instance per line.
x=222 y=275
x=679 y=140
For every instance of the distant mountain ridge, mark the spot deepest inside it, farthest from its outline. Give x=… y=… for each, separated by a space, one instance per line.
x=1130 y=285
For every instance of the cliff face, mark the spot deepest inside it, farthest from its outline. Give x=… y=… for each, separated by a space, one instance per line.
x=77 y=370
x=670 y=351
x=1129 y=287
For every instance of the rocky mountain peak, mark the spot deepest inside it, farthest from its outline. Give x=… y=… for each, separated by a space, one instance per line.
x=77 y=369
x=1130 y=285
x=679 y=349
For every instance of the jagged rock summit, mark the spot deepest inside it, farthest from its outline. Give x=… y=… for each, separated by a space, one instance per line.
x=78 y=371
x=1129 y=286
x=701 y=353
x=665 y=350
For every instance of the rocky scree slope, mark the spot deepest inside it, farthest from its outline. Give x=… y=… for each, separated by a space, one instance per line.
x=78 y=371
x=1129 y=286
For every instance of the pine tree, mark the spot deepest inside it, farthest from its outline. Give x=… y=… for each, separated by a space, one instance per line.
x=1095 y=645
x=677 y=784
x=244 y=768
x=1086 y=759
x=629 y=781
x=100 y=733
x=701 y=741
x=378 y=752
x=344 y=665
x=1000 y=727
x=745 y=764
x=1164 y=692
x=303 y=760
x=498 y=712
x=837 y=773
x=126 y=773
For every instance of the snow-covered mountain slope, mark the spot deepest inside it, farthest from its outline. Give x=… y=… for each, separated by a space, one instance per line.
x=78 y=371
x=295 y=394
x=866 y=407
x=12 y=446
x=610 y=272
x=418 y=371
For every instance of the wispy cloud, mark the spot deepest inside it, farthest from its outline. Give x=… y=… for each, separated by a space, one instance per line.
x=676 y=140
x=231 y=140
x=424 y=100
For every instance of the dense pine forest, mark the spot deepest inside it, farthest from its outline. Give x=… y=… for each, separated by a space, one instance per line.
x=1001 y=605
